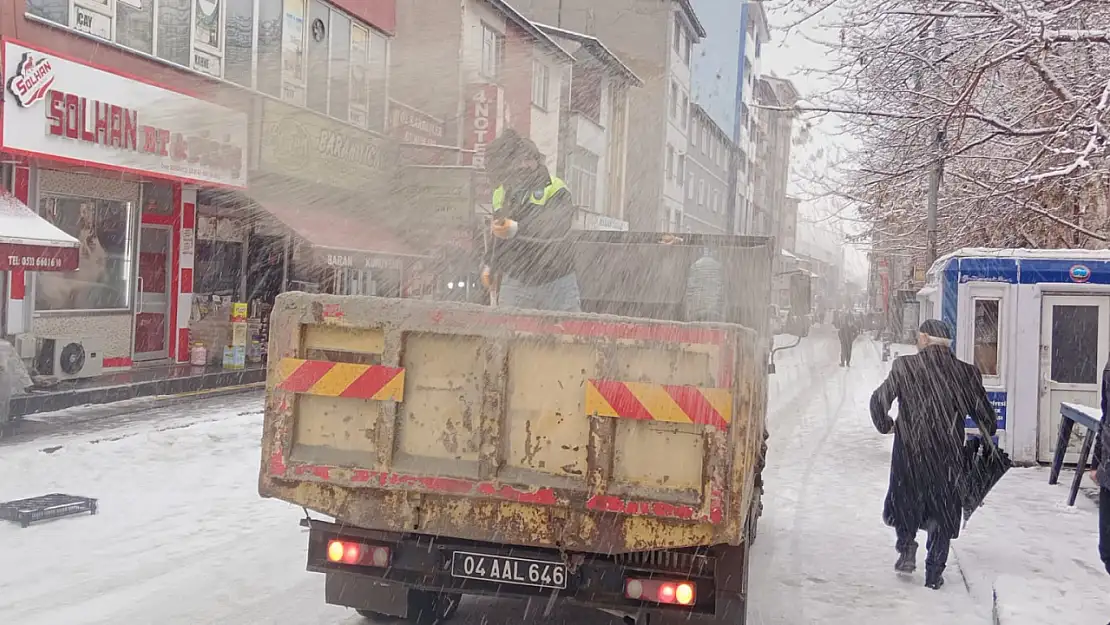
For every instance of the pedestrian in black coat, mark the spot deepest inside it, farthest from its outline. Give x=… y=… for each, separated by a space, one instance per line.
x=935 y=391
x=1100 y=473
x=847 y=333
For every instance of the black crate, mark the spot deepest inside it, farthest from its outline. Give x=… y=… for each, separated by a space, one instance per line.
x=43 y=507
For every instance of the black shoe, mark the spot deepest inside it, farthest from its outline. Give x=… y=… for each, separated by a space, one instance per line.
x=907 y=560
x=934 y=579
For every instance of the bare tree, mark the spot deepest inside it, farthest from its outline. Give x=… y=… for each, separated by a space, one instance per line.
x=1011 y=96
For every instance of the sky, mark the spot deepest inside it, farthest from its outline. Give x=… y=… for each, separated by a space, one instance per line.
x=793 y=54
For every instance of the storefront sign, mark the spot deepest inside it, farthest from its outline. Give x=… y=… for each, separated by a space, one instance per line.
x=588 y=220
x=439 y=197
x=357 y=260
x=410 y=125
x=91 y=22
x=301 y=144
x=38 y=257
x=482 y=122
x=73 y=111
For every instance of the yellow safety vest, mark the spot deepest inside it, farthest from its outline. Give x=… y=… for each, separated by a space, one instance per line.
x=549 y=192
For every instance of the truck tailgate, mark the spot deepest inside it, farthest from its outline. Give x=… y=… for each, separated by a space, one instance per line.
x=585 y=432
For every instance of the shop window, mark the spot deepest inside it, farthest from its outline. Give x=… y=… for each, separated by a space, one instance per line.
x=379 y=72
x=103 y=279
x=294 y=32
x=269 y=50
x=135 y=25
x=317 y=77
x=173 y=30
x=360 y=75
x=157 y=199
x=239 y=64
x=53 y=10
x=986 y=336
x=339 y=70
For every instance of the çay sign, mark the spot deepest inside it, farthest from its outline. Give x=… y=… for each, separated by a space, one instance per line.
x=94 y=116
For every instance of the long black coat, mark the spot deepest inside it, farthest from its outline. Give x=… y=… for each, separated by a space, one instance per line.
x=935 y=391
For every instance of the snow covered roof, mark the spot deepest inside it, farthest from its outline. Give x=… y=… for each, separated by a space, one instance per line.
x=19 y=225
x=595 y=47
x=1054 y=254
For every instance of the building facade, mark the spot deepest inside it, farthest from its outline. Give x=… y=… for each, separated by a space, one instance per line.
x=774 y=134
x=594 y=118
x=656 y=41
x=709 y=183
x=483 y=67
x=213 y=152
x=726 y=64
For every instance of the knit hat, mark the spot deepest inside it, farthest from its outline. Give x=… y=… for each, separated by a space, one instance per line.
x=936 y=329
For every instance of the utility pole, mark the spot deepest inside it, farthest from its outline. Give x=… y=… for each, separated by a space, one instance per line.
x=935 y=174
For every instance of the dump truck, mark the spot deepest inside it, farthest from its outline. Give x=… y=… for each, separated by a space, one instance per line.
x=610 y=459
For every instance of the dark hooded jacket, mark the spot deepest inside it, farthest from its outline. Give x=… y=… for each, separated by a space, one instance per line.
x=935 y=391
x=1101 y=459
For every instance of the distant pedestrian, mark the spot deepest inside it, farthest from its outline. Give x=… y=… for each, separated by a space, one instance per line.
x=935 y=390
x=847 y=332
x=1100 y=473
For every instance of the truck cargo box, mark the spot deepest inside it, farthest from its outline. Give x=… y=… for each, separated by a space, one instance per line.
x=582 y=432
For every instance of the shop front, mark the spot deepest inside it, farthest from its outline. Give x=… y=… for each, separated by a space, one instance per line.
x=330 y=185
x=116 y=162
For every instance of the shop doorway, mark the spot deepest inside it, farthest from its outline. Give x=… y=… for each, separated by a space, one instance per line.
x=152 y=304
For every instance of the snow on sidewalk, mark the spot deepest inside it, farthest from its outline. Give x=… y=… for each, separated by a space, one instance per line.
x=1038 y=556
x=181 y=536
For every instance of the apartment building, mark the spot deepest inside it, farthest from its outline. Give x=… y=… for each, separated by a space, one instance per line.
x=774 y=134
x=656 y=41
x=726 y=64
x=483 y=67
x=709 y=166
x=205 y=151
x=594 y=143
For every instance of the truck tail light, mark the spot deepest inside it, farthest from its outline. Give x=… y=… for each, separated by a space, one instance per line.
x=660 y=591
x=349 y=552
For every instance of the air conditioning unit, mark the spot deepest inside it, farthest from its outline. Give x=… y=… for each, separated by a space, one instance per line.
x=68 y=358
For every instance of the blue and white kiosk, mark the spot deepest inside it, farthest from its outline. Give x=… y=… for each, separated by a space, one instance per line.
x=1037 y=324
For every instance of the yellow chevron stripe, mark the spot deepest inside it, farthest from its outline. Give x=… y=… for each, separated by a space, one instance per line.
x=656 y=400
x=721 y=400
x=393 y=390
x=286 y=367
x=596 y=404
x=337 y=379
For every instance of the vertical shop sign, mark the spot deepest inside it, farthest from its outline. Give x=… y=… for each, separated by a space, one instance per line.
x=481 y=123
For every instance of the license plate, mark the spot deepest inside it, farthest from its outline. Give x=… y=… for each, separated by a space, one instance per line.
x=505 y=570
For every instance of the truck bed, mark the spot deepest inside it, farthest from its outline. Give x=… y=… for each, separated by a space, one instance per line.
x=580 y=432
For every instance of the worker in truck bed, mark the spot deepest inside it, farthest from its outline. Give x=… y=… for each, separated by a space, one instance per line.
x=530 y=263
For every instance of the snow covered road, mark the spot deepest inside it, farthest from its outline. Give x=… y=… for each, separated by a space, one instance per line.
x=183 y=538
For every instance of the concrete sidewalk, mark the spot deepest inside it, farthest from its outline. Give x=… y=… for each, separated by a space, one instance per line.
x=135 y=383
x=92 y=418
x=1034 y=558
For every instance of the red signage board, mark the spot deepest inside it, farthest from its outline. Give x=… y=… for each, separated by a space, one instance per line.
x=16 y=256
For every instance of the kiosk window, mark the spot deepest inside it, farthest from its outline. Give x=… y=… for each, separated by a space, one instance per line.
x=1075 y=344
x=986 y=336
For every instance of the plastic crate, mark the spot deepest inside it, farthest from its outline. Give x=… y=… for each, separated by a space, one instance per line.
x=43 y=507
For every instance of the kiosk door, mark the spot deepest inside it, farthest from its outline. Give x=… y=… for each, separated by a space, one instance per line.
x=1075 y=343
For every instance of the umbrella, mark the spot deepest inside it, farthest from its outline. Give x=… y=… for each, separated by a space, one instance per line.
x=986 y=464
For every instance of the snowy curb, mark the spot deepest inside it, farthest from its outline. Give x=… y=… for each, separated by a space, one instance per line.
x=1035 y=601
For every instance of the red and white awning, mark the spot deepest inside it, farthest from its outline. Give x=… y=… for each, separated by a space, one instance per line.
x=29 y=242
